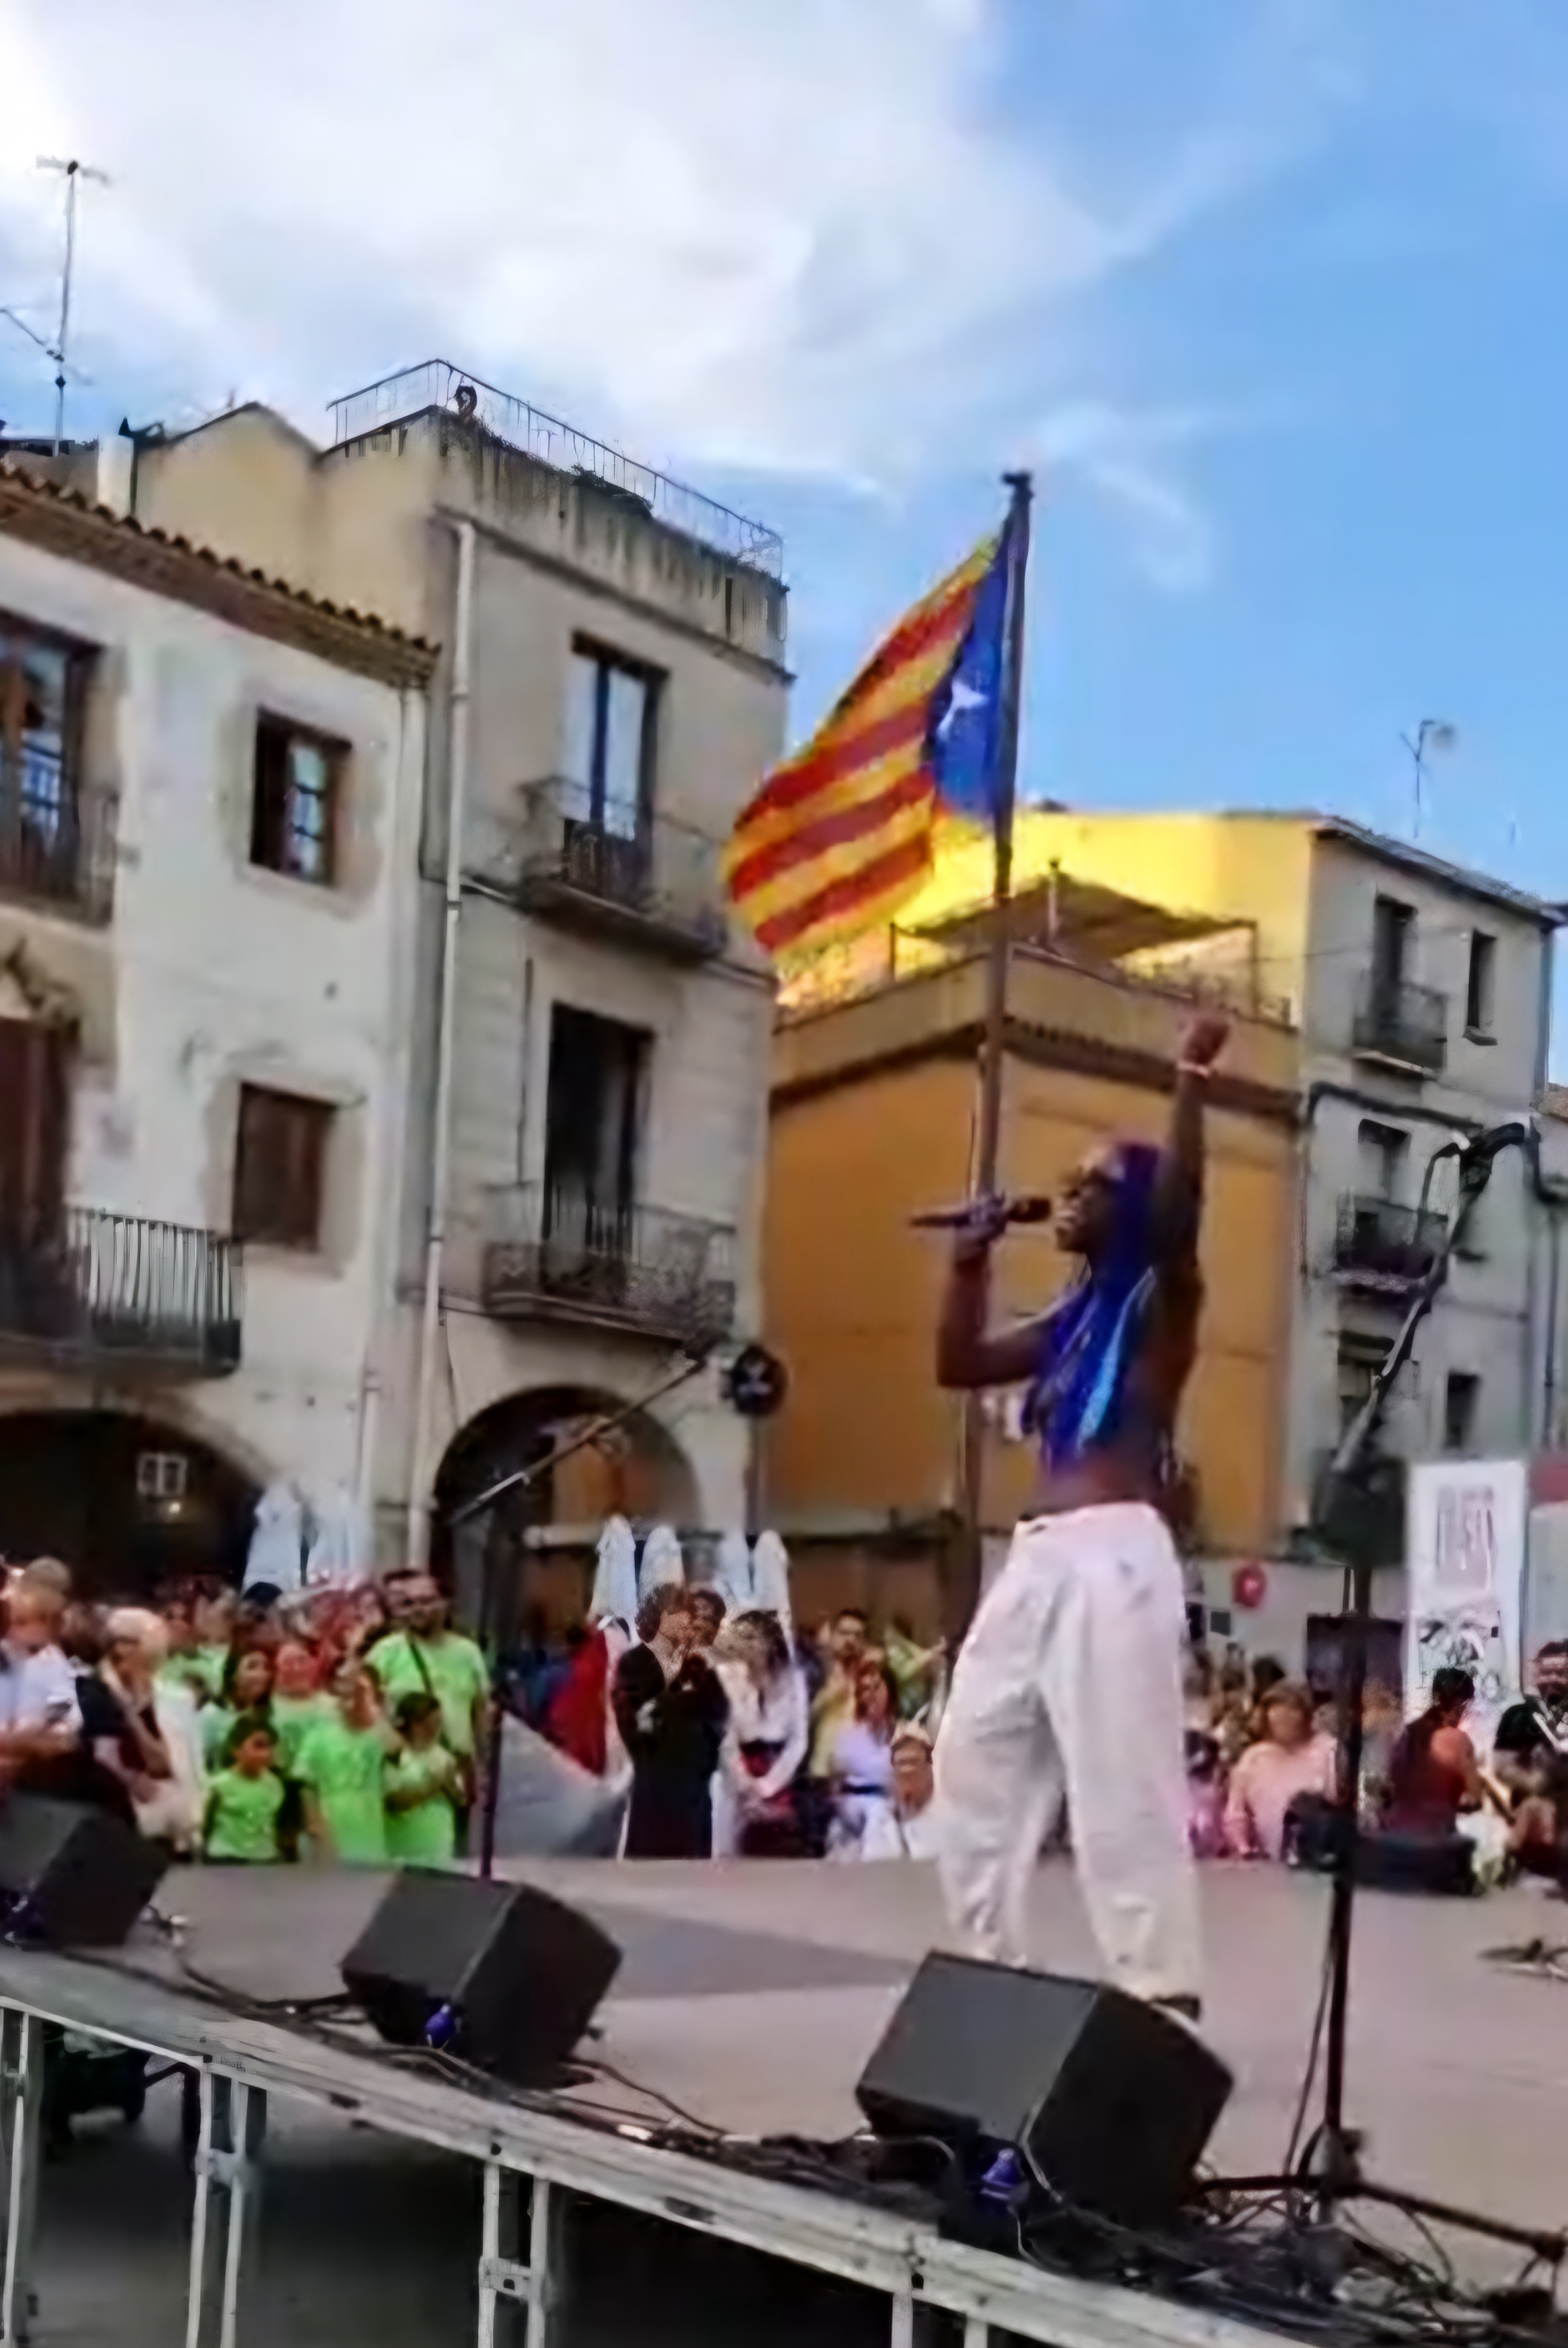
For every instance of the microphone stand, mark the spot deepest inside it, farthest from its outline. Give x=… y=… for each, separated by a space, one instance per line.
x=522 y=1479
x=1330 y=2168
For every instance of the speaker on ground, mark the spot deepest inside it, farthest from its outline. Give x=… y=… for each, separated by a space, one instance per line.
x=498 y=1974
x=1110 y=2100
x=72 y=1876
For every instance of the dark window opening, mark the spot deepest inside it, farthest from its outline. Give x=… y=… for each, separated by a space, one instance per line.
x=1392 y=925
x=294 y=804
x=280 y=1168
x=1384 y=1151
x=611 y=716
x=1478 y=984
x=1462 y=1402
x=1360 y=1359
x=594 y=1115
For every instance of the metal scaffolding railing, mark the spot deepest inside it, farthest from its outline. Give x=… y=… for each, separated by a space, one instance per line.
x=437 y=383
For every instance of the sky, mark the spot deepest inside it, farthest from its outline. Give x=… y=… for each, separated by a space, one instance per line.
x=1268 y=292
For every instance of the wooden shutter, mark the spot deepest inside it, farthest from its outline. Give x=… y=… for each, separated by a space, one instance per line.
x=35 y=1125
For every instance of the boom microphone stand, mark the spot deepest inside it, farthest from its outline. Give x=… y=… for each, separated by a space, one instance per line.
x=522 y=1479
x=1331 y=2167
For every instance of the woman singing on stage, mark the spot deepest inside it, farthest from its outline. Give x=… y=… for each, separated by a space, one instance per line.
x=1071 y=1678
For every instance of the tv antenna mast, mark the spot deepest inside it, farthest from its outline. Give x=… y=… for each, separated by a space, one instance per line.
x=1431 y=734
x=73 y=171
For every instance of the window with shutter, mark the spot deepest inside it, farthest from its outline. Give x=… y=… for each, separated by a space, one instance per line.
x=35 y=1125
x=280 y=1168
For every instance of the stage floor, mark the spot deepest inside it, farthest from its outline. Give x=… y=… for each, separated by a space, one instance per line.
x=753 y=1993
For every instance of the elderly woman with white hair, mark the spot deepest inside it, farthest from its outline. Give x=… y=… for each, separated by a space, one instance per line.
x=909 y=1825
x=160 y=1748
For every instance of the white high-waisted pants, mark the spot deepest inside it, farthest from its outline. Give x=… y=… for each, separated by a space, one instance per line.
x=1070 y=1681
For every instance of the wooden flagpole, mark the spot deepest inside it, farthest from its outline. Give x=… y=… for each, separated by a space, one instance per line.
x=962 y=1589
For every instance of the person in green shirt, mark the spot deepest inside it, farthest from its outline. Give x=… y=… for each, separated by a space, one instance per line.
x=298 y=1703
x=424 y=1786
x=246 y=1690
x=245 y=1800
x=341 y=1763
x=425 y=1656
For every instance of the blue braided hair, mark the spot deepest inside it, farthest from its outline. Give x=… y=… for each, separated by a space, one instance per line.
x=1090 y=1339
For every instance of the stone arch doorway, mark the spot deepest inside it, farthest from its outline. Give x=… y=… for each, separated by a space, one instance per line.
x=128 y=1502
x=639 y=1471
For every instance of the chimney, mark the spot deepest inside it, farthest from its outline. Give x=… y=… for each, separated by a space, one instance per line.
x=112 y=482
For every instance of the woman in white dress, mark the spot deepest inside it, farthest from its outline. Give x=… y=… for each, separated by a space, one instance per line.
x=765 y=1743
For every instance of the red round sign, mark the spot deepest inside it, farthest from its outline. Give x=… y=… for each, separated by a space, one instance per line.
x=1249 y=1586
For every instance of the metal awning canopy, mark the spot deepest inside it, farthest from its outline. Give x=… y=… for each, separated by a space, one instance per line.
x=1084 y=919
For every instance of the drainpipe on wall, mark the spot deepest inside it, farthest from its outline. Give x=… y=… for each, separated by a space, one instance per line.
x=421 y=1470
x=390 y=1144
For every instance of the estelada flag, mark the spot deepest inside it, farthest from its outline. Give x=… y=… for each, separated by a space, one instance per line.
x=843 y=831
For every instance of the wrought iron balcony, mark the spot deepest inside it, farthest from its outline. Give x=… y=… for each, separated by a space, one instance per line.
x=1404 y=1025
x=1378 y=1244
x=557 y=1254
x=100 y=1288
x=649 y=881
x=55 y=848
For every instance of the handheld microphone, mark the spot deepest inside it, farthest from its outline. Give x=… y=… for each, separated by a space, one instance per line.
x=1031 y=1209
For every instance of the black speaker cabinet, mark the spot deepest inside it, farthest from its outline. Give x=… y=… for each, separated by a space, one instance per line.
x=499 y=1974
x=72 y=1876
x=1110 y=2100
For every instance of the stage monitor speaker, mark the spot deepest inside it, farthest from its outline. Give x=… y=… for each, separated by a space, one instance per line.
x=1439 y=1865
x=498 y=1974
x=1110 y=2101
x=72 y=1876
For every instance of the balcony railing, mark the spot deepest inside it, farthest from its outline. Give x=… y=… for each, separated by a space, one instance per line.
x=648 y=881
x=556 y=1254
x=436 y=383
x=55 y=848
x=1407 y=1024
x=1379 y=1244
x=102 y=1288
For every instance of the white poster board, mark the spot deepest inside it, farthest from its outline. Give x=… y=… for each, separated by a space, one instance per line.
x=1465 y=1559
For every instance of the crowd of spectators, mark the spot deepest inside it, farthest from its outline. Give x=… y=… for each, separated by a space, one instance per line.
x=353 y=1725
x=736 y=1738
x=253 y=1731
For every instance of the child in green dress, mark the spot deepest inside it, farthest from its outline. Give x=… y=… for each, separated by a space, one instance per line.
x=245 y=1692
x=424 y=1785
x=245 y=1799
x=341 y=1764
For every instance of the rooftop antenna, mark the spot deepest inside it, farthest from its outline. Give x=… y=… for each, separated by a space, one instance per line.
x=74 y=172
x=1431 y=734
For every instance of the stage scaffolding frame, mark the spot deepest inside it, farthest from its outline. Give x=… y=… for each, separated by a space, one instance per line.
x=530 y=2159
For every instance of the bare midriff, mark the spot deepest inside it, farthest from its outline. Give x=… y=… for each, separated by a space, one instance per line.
x=1133 y=1465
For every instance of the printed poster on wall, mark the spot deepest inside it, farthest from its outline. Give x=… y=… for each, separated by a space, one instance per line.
x=1465 y=1567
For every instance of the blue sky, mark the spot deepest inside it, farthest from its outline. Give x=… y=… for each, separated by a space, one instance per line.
x=1269 y=291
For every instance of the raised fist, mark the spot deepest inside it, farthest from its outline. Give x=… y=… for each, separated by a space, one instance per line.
x=1204 y=1038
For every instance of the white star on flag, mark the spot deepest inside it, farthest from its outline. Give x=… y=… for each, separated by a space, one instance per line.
x=964 y=697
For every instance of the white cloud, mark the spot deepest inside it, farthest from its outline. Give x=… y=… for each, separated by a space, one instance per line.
x=1130 y=458
x=774 y=237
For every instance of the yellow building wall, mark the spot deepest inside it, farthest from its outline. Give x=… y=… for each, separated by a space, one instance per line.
x=853 y=1293
x=1241 y=868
